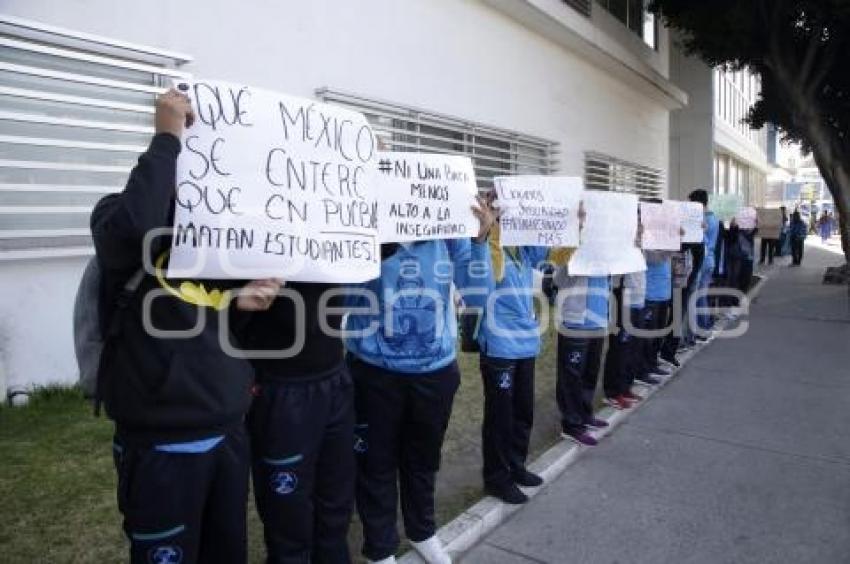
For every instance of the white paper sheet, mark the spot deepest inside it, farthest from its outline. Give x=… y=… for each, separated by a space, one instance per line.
x=692 y=216
x=608 y=236
x=539 y=210
x=273 y=185
x=425 y=196
x=661 y=226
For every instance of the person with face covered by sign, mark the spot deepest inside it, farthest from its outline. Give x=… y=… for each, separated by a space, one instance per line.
x=177 y=398
x=401 y=343
x=509 y=343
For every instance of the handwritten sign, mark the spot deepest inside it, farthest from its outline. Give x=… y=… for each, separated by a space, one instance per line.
x=725 y=206
x=692 y=215
x=539 y=210
x=661 y=225
x=608 y=236
x=425 y=196
x=769 y=223
x=273 y=185
x=746 y=218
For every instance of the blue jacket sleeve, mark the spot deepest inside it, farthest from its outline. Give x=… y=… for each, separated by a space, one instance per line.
x=473 y=275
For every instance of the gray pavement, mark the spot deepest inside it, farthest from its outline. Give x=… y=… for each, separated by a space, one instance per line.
x=744 y=458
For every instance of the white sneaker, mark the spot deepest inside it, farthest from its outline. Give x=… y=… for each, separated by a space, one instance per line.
x=432 y=551
x=388 y=560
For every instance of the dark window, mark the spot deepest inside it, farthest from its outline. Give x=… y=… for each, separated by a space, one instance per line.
x=582 y=6
x=636 y=17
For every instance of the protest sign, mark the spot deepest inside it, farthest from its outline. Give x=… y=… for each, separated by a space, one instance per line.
x=746 y=218
x=692 y=216
x=608 y=236
x=661 y=226
x=539 y=210
x=273 y=185
x=725 y=206
x=425 y=196
x=769 y=223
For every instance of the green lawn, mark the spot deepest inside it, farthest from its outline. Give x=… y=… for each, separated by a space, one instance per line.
x=57 y=482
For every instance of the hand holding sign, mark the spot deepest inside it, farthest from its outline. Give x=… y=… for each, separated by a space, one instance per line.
x=173 y=113
x=487 y=216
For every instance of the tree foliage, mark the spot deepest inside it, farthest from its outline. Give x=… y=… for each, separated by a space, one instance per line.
x=801 y=50
x=807 y=39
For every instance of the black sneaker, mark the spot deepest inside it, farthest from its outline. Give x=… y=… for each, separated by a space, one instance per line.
x=671 y=360
x=510 y=494
x=659 y=370
x=647 y=379
x=527 y=479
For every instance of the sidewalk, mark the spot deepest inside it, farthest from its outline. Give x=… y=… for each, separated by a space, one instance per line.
x=745 y=457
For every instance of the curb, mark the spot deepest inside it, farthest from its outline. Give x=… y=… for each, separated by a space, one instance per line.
x=470 y=527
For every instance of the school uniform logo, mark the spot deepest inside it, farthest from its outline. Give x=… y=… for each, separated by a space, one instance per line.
x=284 y=482
x=165 y=555
x=360 y=445
x=505 y=381
x=575 y=357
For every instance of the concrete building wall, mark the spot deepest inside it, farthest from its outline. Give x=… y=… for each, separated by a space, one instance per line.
x=467 y=58
x=691 y=128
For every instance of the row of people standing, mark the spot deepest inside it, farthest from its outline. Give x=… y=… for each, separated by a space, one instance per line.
x=316 y=426
x=329 y=424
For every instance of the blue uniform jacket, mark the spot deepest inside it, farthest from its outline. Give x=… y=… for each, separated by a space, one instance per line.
x=509 y=327
x=413 y=328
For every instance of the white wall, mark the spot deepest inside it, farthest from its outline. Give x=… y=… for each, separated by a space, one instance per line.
x=459 y=57
x=36 y=301
x=692 y=128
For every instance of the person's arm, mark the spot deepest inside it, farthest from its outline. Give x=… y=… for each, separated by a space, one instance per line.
x=119 y=222
x=471 y=260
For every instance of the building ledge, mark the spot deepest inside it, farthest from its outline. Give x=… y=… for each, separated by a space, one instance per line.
x=563 y=25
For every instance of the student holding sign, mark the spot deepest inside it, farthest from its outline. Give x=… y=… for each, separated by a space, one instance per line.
x=583 y=326
x=178 y=402
x=402 y=356
x=302 y=426
x=509 y=341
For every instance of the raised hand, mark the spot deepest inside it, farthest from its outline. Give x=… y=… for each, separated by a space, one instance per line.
x=258 y=295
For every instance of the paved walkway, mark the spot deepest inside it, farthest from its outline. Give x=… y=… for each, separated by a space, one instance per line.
x=744 y=458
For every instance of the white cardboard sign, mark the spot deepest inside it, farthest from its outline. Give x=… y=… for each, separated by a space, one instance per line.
x=661 y=226
x=539 y=210
x=425 y=196
x=273 y=185
x=746 y=218
x=692 y=216
x=608 y=236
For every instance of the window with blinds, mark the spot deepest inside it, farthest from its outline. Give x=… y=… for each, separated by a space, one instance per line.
x=75 y=112
x=494 y=152
x=603 y=172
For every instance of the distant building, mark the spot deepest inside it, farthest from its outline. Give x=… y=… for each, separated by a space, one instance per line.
x=711 y=146
x=796 y=183
x=522 y=86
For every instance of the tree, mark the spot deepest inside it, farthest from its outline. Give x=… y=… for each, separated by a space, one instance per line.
x=801 y=50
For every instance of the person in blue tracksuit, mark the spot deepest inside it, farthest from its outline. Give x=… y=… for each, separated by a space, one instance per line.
x=509 y=342
x=659 y=293
x=623 y=359
x=583 y=327
x=706 y=272
x=797 y=233
x=402 y=358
